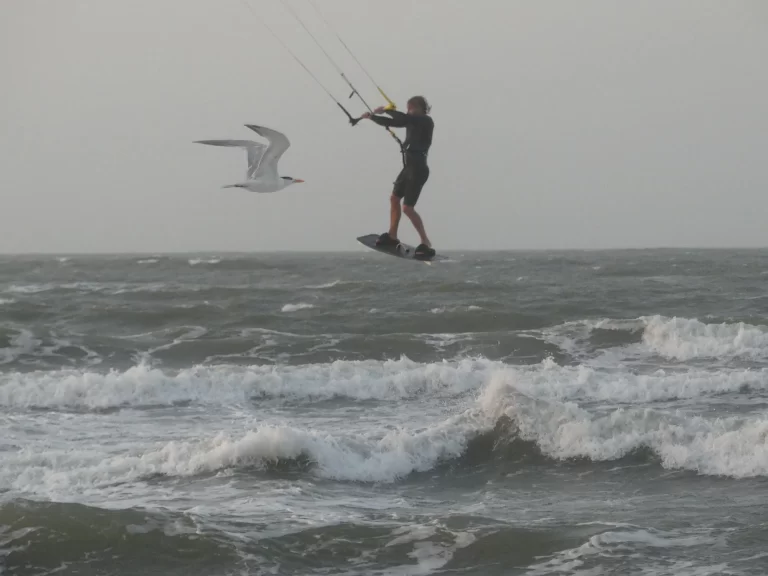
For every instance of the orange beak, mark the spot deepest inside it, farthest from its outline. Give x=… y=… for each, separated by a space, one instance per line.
x=297 y=180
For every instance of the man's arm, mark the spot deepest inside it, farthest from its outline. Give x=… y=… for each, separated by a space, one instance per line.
x=383 y=121
x=398 y=119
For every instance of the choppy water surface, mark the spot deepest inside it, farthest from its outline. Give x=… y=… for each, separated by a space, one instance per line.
x=509 y=413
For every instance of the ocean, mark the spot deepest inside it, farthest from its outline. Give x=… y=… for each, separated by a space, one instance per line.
x=538 y=413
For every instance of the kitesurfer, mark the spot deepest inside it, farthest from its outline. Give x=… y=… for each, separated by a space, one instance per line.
x=418 y=126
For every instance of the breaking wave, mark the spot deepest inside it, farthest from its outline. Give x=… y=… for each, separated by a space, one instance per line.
x=679 y=339
x=147 y=386
x=508 y=413
x=687 y=339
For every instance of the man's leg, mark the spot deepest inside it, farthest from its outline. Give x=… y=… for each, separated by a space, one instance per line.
x=411 y=195
x=394 y=216
x=417 y=223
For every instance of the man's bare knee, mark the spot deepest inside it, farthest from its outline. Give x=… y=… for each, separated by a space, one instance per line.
x=409 y=210
x=394 y=199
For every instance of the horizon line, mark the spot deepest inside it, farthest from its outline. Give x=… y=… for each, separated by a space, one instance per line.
x=363 y=251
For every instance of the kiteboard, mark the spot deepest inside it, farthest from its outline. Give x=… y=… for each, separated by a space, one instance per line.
x=400 y=250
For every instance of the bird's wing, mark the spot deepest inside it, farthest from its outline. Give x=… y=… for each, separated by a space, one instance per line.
x=278 y=144
x=255 y=151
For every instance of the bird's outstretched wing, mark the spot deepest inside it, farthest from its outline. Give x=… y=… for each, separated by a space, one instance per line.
x=255 y=151
x=278 y=144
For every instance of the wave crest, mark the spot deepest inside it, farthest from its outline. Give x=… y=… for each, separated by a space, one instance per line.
x=688 y=339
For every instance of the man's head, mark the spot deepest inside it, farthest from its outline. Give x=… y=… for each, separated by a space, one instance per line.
x=418 y=105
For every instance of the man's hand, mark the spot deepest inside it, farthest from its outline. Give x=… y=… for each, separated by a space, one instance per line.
x=365 y=115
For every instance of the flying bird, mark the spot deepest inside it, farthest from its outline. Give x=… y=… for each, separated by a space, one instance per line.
x=262 y=175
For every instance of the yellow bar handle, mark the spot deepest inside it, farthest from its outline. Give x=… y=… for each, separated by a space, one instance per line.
x=390 y=105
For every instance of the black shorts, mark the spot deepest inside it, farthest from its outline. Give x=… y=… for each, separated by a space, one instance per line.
x=410 y=181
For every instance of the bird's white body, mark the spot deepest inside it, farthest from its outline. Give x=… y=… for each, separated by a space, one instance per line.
x=262 y=175
x=262 y=185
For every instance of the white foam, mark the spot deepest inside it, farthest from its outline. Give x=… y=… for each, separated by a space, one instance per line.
x=408 y=534
x=382 y=457
x=149 y=261
x=191 y=333
x=38 y=288
x=28 y=288
x=443 y=340
x=22 y=343
x=539 y=399
x=431 y=549
x=733 y=447
x=7 y=301
x=617 y=538
x=686 y=339
x=551 y=381
x=324 y=286
x=573 y=337
x=679 y=339
x=429 y=557
x=620 y=542
x=143 y=385
x=198 y=261
x=444 y=309
x=296 y=307
x=151 y=287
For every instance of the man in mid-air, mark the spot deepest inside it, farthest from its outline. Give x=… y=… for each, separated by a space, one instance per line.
x=408 y=184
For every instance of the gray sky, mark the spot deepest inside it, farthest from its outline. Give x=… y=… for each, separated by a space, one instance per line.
x=591 y=124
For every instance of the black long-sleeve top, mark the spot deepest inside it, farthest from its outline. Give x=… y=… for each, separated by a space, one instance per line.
x=418 y=129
